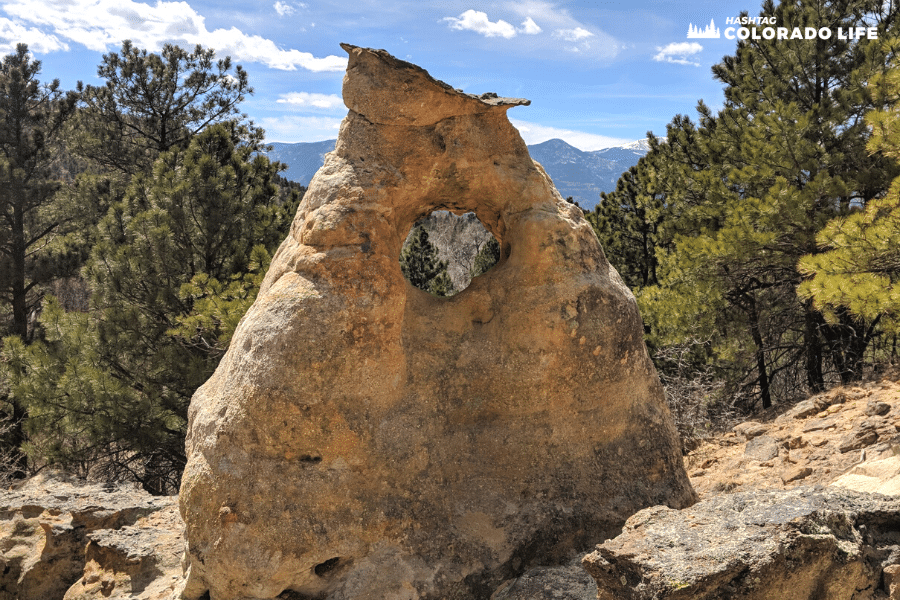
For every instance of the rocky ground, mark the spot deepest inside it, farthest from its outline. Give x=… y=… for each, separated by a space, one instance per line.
x=789 y=508
x=849 y=436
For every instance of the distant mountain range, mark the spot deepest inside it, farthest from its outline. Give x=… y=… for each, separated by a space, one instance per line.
x=582 y=175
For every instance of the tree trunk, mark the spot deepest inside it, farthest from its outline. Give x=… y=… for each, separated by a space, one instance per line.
x=813 y=346
x=19 y=304
x=764 y=391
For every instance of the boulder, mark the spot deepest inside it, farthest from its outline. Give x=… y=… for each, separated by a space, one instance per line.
x=805 y=543
x=364 y=439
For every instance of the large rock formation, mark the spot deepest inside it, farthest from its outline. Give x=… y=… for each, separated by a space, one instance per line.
x=362 y=439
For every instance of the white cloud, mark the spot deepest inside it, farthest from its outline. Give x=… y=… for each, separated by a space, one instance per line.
x=103 y=24
x=573 y=35
x=534 y=133
x=12 y=34
x=545 y=12
x=477 y=21
x=529 y=27
x=300 y=129
x=311 y=99
x=284 y=9
x=677 y=53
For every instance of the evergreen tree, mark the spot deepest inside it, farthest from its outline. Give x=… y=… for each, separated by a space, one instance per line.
x=152 y=103
x=31 y=116
x=749 y=188
x=859 y=271
x=487 y=257
x=175 y=263
x=629 y=221
x=421 y=266
x=149 y=104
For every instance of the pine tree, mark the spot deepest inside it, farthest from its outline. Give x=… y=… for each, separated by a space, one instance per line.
x=753 y=185
x=148 y=104
x=859 y=270
x=152 y=103
x=175 y=263
x=31 y=117
x=421 y=266
x=629 y=222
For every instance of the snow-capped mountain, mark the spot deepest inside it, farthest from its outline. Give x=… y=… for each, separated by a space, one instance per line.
x=582 y=175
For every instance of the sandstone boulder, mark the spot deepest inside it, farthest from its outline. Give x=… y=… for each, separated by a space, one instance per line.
x=806 y=543
x=362 y=439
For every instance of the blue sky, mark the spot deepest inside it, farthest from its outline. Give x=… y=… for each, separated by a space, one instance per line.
x=597 y=73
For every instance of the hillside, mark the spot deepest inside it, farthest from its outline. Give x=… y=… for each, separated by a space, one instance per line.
x=582 y=175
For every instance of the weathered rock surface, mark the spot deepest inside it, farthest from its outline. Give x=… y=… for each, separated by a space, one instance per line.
x=878 y=476
x=363 y=439
x=136 y=562
x=56 y=540
x=563 y=582
x=803 y=544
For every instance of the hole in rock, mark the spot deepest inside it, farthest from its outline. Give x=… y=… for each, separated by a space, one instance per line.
x=443 y=252
x=322 y=568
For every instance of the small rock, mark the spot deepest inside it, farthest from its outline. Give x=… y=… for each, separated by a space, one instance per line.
x=762 y=448
x=880 y=476
x=796 y=474
x=858 y=439
x=567 y=582
x=820 y=425
x=808 y=408
x=750 y=429
x=877 y=408
x=797 y=441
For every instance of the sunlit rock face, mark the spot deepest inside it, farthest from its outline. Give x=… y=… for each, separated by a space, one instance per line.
x=362 y=439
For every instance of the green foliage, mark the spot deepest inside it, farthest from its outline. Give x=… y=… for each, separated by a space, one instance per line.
x=31 y=117
x=152 y=103
x=629 y=222
x=421 y=266
x=176 y=264
x=711 y=227
x=859 y=272
x=487 y=257
x=219 y=306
